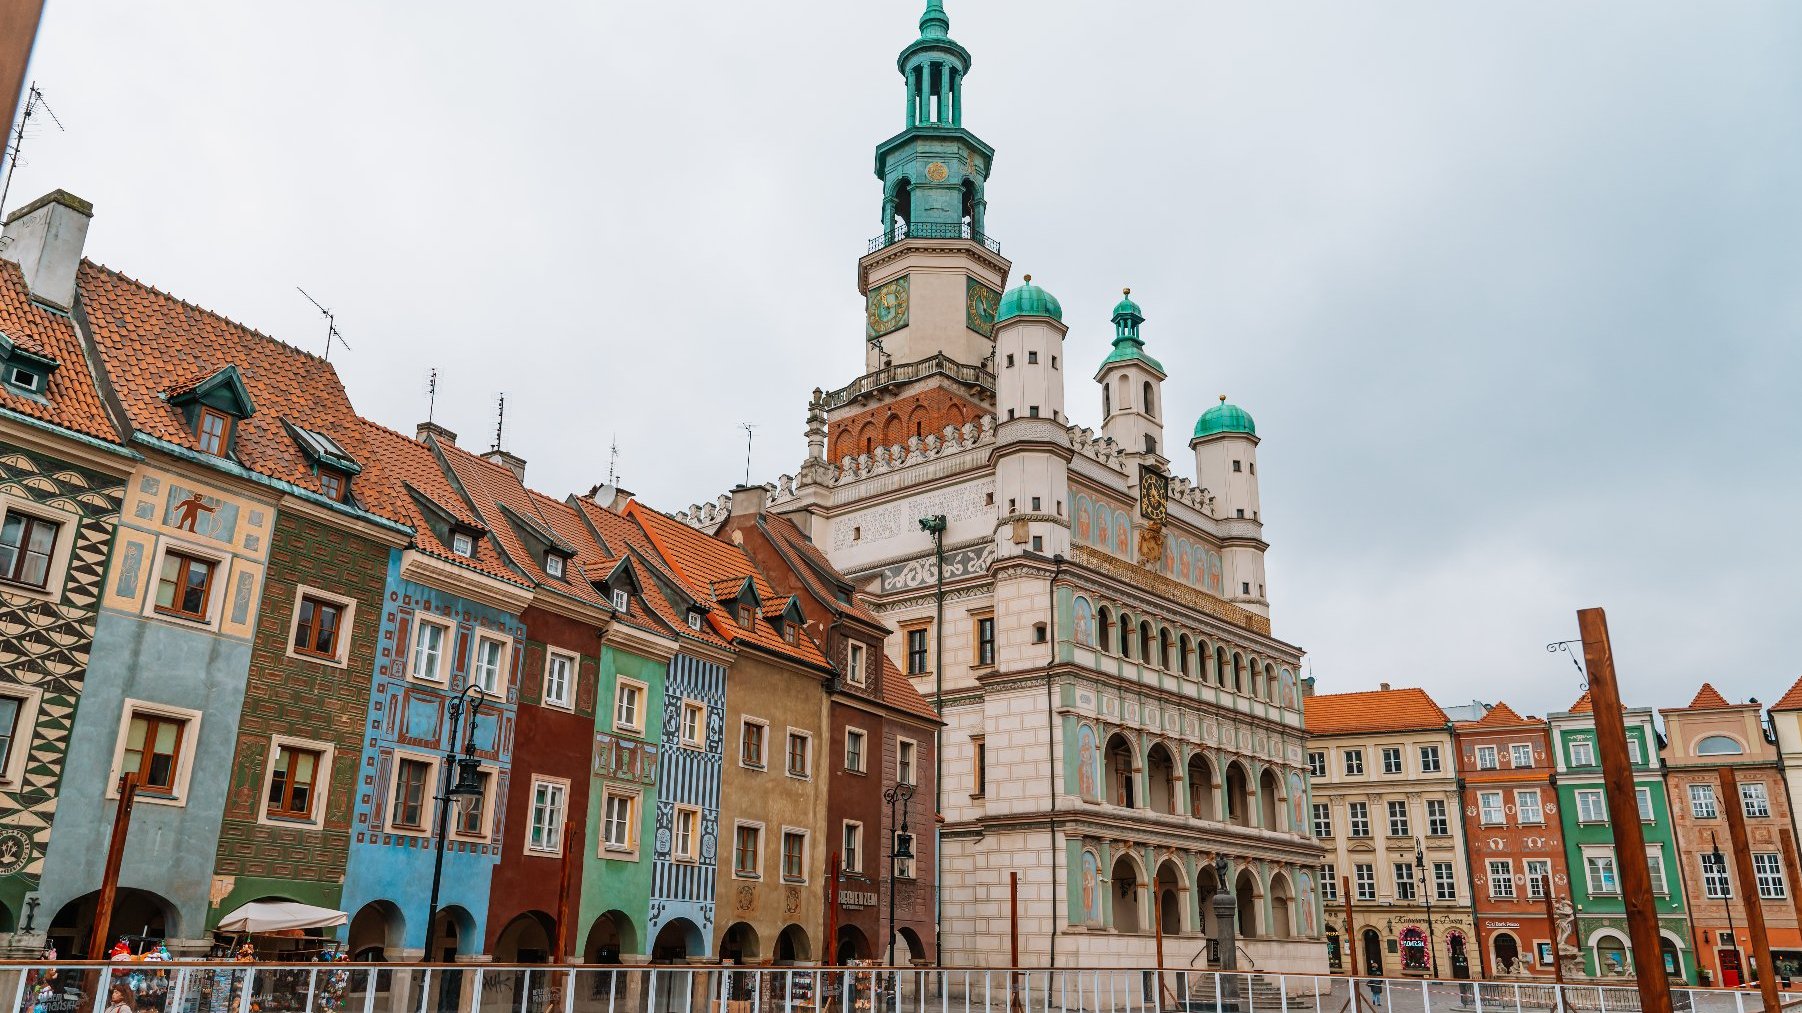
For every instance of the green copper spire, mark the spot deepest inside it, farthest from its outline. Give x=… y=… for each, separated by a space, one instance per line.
x=1127 y=343
x=934 y=171
x=934 y=24
x=1225 y=418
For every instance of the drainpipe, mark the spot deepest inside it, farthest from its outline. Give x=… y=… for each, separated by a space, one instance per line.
x=935 y=526
x=1057 y=564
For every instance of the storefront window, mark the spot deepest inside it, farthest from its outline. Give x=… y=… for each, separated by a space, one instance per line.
x=1414 y=950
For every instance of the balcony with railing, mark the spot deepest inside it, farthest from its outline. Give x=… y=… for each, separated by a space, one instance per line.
x=907 y=372
x=934 y=230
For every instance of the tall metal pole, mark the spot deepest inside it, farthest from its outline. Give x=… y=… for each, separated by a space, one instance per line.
x=115 y=857
x=444 y=803
x=1420 y=865
x=939 y=523
x=1742 y=858
x=1623 y=813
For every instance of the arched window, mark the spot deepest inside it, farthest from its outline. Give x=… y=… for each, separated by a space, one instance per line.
x=1151 y=405
x=1220 y=669
x=1718 y=745
x=1151 y=444
x=1164 y=650
x=903 y=212
x=1238 y=672
x=1107 y=402
x=1270 y=682
x=1126 y=394
x=1145 y=655
x=1106 y=638
x=1182 y=654
x=1126 y=636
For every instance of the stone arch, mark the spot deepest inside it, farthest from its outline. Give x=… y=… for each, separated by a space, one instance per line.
x=1082 y=621
x=793 y=946
x=1269 y=682
x=457 y=933
x=1122 y=766
x=1150 y=400
x=852 y=944
x=1203 y=790
x=739 y=943
x=377 y=931
x=912 y=949
x=1207 y=884
x=610 y=936
x=1247 y=892
x=1222 y=676
x=1238 y=672
x=1270 y=802
x=1126 y=885
x=1163 y=784
x=677 y=940
x=1172 y=899
x=1238 y=793
x=1147 y=656
x=135 y=911
x=1257 y=677
x=1164 y=649
x=527 y=939
x=1105 y=631
x=1282 y=913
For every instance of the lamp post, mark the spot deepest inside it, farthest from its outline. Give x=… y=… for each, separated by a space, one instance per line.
x=935 y=526
x=466 y=791
x=1720 y=863
x=901 y=848
x=1420 y=869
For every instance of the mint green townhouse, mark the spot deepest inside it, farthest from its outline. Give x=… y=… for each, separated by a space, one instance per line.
x=1595 y=882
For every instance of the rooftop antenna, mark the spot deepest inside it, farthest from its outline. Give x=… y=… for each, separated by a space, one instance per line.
x=747 y=427
x=613 y=463
x=331 y=325
x=431 y=396
x=32 y=105
x=500 y=421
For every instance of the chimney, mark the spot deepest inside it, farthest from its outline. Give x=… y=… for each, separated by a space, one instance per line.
x=612 y=498
x=45 y=238
x=1383 y=686
x=1307 y=687
x=436 y=431
x=512 y=462
x=749 y=499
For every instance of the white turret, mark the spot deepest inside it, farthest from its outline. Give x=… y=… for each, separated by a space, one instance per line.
x=1132 y=389
x=1032 y=442
x=1226 y=463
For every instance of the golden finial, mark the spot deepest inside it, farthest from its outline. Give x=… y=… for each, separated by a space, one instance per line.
x=1126 y=291
x=1029 y=279
x=1223 y=399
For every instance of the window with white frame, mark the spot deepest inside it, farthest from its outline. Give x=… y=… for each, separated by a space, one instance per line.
x=747 y=851
x=1753 y=799
x=1329 y=883
x=1429 y=759
x=28 y=548
x=753 y=744
x=800 y=753
x=487 y=667
x=1520 y=755
x=1438 y=823
x=619 y=820
x=1489 y=808
x=1358 y=815
x=410 y=794
x=1445 y=881
x=1582 y=753
x=1354 y=761
x=1599 y=867
x=1702 y=802
x=1364 y=880
x=852 y=847
x=628 y=706
x=1486 y=758
x=1317 y=764
x=1538 y=870
x=1655 y=870
x=1527 y=808
x=553 y=564
x=1715 y=884
x=854 y=664
x=1392 y=759
x=1323 y=819
x=1644 y=797
x=1635 y=754
x=693 y=727
x=621 y=600
x=559 y=678
x=854 y=750
x=1501 y=880
x=794 y=855
x=462 y=544
x=905 y=752
x=1767 y=868
x=472 y=821
x=298 y=771
x=544 y=830
x=156 y=743
x=1398 y=820
x=1404 y=880
x=1591 y=807
x=430 y=638
x=18 y=716
x=685 y=834
x=320 y=623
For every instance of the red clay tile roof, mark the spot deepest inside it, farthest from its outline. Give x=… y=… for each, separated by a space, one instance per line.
x=1790 y=701
x=1582 y=706
x=149 y=341
x=1708 y=698
x=399 y=468
x=592 y=563
x=1499 y=716
x=703 y=563
x=624 y=538
x=1383 y=710
x=70 y=399
x=823 y=580
x=898 y=691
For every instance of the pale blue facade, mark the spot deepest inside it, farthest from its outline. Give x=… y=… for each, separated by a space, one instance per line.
x=689 y=776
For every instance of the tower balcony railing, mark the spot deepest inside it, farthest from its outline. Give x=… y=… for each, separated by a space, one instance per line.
x=907 y=372
x=934 y=230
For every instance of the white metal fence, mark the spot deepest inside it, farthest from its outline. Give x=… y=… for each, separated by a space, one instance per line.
x=193 y=987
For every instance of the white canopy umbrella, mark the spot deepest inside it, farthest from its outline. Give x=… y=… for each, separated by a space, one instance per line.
x=279 y=916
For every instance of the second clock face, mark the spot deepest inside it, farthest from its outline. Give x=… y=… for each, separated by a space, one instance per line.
x=980 y=306
x=886 y=308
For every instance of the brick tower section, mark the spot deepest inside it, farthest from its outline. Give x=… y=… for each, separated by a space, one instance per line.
x=920 y=414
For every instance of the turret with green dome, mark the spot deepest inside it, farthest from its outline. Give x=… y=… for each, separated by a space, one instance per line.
x=1127 y=343
x=1028 y=300
x=934 y=171
x=1225 y=418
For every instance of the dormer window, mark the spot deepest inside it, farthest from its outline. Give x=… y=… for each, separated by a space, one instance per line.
x=553 y=564
x=463 y=545
x=619 y=599
x=694 y=620
x=331 y=483
x=746 y=615
x=789 y=633
x=214 y=431
x=28 y=380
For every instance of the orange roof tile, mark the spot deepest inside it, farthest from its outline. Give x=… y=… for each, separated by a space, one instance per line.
x=703 y=563
x=898 y=691
x=70 y=399
x=1499 y=716
x=624 y=538
x=149 y=341
x=1383 y=710
x=822 y=579
x=400 y=468
x=1708 y=698
x=594 y=564
x=1791 y=700
x=1582 y=706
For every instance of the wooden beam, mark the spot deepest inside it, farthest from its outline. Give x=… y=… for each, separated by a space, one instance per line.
x=109 y=877
x=1735 y=811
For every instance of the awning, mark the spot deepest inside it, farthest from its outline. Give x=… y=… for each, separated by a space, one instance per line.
x=277 y=916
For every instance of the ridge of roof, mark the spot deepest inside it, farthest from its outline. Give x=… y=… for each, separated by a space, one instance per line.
x=1583 y=705
x=1403 y=709
x=1708 y=698
x=1499 y=716
x=196 y=307
x=1790 y=700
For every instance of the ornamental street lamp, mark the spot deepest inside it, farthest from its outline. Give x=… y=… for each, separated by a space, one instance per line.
x=1420 y=870
x=466 y=793
x=901 y=849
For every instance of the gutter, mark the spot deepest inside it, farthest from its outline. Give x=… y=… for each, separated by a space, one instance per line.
x=89 y=441
x=236 y=470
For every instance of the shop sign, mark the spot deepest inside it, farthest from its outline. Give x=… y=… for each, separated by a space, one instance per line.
x=855 y=899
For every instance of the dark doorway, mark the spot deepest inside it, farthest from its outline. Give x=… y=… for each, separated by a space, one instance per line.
x=1373 y=953
x=1460 y=956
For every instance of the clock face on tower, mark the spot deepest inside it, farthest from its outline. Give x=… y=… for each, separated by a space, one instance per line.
x=980 y=305
x=886 y=309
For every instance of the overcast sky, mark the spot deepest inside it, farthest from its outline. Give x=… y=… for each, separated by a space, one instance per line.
x=1510 y=288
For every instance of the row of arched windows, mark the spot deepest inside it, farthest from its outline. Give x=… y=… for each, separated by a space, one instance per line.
x=1152 y=644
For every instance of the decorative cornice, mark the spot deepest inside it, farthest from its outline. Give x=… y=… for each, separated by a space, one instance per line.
x=1163 y=586
x=462 y=581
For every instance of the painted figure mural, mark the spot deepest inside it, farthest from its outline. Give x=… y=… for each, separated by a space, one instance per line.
x=1088 y=763
x=1304 y=903
x=1091 y=889
x=1083 y=625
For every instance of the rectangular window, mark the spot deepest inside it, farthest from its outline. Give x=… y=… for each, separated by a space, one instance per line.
x=694 y=723
x=316 y=627
x=621 y=600
x=10 y=707
x=410 y=778
x=1655 y=871
x=1714 y=876
x=1329 y=883
x=1429 y=759
x=553 y=565
x=852 y=847
x=628 y=699
x=1364 y=877
x=1323 y=819
x=291 y=783
x=985 y=640
x=557 y=671
x=153 y=752
x=27 y=545
x=1582 y=753
x=794 y=856
x=1316 y=764
x=854 y=668
x=544 y=833
x=1489 y=806
x=1527 y=807
x=183 y=587
x=1358 y=815
x=685 y=841
x=1445 y=882
x=916 y=652
x=854 y=739
x=1600 y=869
x=1521 y=755
x=747 y=848
x=1438 y=824
x=1392 y=760
x=428 y=652
x=904 y=761
x=1354 y=761
x=800 y=744
x=750 y=745
x=1644 y=797
x=1501 y=880
x=1538 y=871
x=1754 y=800
x=487 y=670
x=1398 y=820
x=1635 y=755
x=472 y=821
x=1701 y=802
x=1486 y=758
x=619 y=820
x=1768 y=868
x=214 y=431
x=331 y=484
x=1404 y=881
x=1590 y=806
x=463 y=545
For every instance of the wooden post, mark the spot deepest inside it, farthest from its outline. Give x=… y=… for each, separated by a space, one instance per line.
x=832 y=910
x=1551 y=917
x=1623 y=813
x=565 y=883
x=1351 y=930
x=1748 y=883
x=1792 y=871
x=115 y=855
